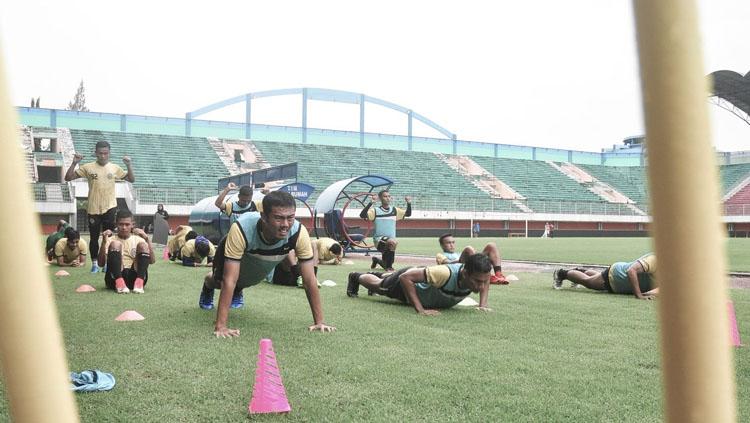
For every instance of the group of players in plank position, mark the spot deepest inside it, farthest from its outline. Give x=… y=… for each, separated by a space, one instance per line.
x=266 y=242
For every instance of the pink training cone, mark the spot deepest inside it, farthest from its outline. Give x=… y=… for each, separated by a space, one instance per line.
x=128 y=316
x=269 y=395
x=165 y=255
x=62 y=273
x=85 y=288
x=735 y=333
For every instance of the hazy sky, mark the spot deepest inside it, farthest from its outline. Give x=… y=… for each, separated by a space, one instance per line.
x=542 y=73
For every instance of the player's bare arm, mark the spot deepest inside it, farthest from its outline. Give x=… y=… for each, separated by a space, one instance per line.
x=408 y=280
x=219 y=203
x=130 y=177
x=71 y=172
x=313 y=297
x=231 y=274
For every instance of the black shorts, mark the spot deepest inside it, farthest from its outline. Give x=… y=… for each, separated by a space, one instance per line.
x=217 y=270
x=382 y=244
x=605 y=276
x=391 y=287
x=283 y=276
x=128 y=274
x=106 y=220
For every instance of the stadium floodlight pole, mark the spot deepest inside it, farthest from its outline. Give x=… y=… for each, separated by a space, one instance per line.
x=33 y=360
x=683 y=182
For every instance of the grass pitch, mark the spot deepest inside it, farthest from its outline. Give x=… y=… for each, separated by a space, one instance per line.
x=542 y=355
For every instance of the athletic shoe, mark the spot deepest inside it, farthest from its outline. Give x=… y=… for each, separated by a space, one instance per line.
x=138 y=286
x=120 y=286
x=556 y=279
x=374 y=263
x=206 y=300
x=352 y=286
x=238 y=300
x=575 y=285
x=498 y=279
x=390 y=269
x=301 y=284
x=95 y=268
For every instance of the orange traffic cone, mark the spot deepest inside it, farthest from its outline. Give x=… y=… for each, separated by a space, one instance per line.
x=269 y=395
x=735 y=333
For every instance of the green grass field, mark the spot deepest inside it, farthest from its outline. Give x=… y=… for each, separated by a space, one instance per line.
x=604 y=251
x=542 y=355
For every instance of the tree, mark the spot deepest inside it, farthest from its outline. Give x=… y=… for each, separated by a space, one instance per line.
x=79 y=101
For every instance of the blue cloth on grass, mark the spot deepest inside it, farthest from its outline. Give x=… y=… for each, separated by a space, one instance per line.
x=91 y=380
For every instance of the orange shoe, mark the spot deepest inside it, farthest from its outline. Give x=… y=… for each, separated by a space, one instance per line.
x=498 y=279
x=120 y=286
x=138 y=286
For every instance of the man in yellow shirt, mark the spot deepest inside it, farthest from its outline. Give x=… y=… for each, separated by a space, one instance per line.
x=243 y=204
x=636 y=277
x=255 y=244
x=102 y=201
x=71 y=250
x=450 y=255
x=328 y=251
x=183 y=234
x=196 y=250
x=430 y=288
x=127 y=255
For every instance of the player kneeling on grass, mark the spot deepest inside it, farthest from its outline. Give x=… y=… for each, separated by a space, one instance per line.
x=255 y=244
x=70 y=250
x=52 y=239
x=127 y=255
x=636 y=277
x=196 y=250
x=449 y=255
x=182 y=235
x=432 y=287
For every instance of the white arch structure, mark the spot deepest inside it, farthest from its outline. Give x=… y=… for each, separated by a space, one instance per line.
x=320 y=94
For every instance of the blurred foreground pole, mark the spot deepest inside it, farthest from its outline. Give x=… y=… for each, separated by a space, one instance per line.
x=696 y=360
x=34 y=367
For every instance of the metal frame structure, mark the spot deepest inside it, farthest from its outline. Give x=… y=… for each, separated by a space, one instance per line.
x=320 y=94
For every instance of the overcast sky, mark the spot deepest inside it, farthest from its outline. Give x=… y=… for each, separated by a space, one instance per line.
x=541 y=73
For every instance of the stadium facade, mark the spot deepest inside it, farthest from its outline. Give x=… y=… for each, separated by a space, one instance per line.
x=510 y=190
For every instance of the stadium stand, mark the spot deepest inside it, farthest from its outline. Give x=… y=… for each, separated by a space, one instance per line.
x=629 y=180
x=733 y=174
x=180 y=170
x=169 y=169
x=432 y=184
x=546 y=189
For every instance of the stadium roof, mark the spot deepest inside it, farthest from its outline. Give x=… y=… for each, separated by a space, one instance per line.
x=732 y=87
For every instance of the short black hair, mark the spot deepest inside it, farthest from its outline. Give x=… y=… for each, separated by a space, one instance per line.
x=277 y=199
x=246 y=190
x=191 y=235
x=202 y=249
x=72 y=234
x=101 y=144
x=478 y=263
x=443 y=236
x=335 y=248
x=124 y=213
